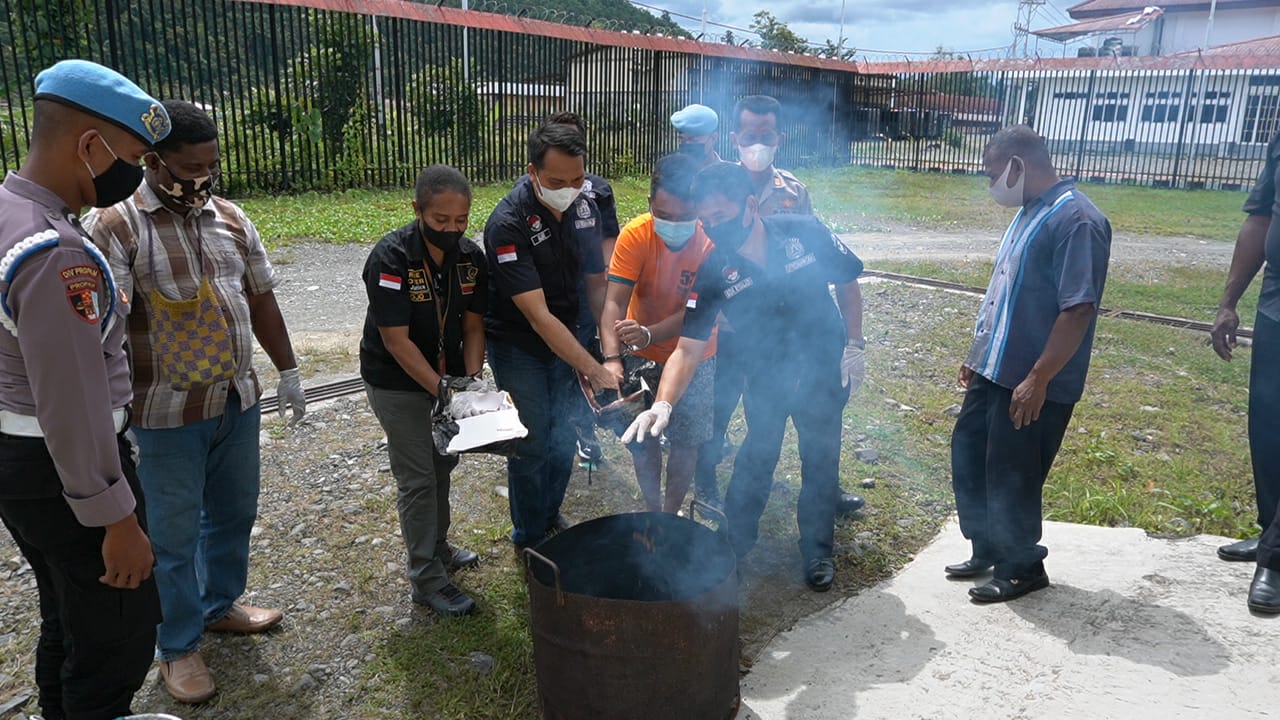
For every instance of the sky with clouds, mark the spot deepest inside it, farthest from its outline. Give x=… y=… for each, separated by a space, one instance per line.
x=900 y=25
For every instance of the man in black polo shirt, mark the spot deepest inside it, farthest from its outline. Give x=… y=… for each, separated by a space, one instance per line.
x=537 y=250
x=418 y=278
x=771 y=277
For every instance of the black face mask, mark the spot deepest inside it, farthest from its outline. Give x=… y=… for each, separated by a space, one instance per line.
x=446 y=240
x=116 y=183
x=697 y=151
x=731 y=233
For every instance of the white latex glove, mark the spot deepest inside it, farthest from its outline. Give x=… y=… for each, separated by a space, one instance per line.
x=289 y=393
x=650 y=422
x=853 y=367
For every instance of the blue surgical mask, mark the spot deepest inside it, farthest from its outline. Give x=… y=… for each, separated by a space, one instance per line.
x=675 y=234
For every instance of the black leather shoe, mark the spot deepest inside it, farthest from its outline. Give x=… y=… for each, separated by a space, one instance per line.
x=820 y=573
x=997 y=590
x=448 y=601
x=559 y=524
x=849 y=503
x=969 y=568
x=459 y=558
x=1243 y=551
x=1264 y=591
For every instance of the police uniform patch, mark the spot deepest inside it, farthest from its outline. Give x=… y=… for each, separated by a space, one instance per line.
x=539 y=238
x=506 y=253
x=467 y=274
x=731 y=275
x=419 y=290
x=535 y=222
x=83 y=296
x=584 y=210
x=794 y=248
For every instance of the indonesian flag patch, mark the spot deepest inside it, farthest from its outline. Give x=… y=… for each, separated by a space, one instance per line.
x=389 y=281
x=692 y=302
x=506 y=253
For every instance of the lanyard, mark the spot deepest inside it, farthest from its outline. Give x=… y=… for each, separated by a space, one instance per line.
x=428 y=268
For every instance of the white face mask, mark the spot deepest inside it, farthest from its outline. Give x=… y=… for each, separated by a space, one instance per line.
x=558 y=200
x=756 y=158
x=1009 y=196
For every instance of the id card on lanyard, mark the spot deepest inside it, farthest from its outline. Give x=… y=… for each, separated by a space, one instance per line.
x=441 y=314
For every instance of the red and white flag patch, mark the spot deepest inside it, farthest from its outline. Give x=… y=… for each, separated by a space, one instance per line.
x=692 y=302
x=389 y=281
x=506 y=253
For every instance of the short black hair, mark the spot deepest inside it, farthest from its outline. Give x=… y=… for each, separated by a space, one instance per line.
x=1022 y=141
x=674 y=174
x=728 y=180
x=189 y=126
x=439 y=179
x=757 y=105
x=554 y=135
x=569 y=118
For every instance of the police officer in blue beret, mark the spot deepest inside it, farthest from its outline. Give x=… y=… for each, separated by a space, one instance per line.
x=69 y=493
x=698 y=127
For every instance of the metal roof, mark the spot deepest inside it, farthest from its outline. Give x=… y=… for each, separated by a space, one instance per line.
x=508 y=23
x=1124 y=22
x=1101 y=8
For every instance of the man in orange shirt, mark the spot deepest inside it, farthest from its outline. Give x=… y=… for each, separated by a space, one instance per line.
x=651 y=277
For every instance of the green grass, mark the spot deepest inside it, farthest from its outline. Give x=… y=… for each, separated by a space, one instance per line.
x=1184 y=292
x=853 y=199
x=849 y=199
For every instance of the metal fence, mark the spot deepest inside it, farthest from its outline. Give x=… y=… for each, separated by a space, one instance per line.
x=1166 y=127
x=310 y=98
x=332 y=94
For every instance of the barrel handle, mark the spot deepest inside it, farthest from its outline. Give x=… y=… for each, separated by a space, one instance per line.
x=707 y=511
x=531 y=554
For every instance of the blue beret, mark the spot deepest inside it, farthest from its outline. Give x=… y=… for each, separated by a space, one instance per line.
x=695 y=120
x=104 y=93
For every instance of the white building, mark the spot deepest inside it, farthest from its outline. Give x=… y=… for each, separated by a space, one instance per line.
x=1168 y=27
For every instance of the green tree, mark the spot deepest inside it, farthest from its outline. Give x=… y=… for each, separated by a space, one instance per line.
x=775 y=35
x=836 y=52
x=729 y=38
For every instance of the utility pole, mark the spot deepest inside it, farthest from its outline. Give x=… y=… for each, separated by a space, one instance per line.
x=1208 y=29
x=1022 y=26
x=840 y=42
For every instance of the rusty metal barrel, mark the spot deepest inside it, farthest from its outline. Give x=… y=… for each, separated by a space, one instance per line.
x=635 y=617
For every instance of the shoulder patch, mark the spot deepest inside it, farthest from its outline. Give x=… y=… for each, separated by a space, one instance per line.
x=506 y=253
x=83 y=292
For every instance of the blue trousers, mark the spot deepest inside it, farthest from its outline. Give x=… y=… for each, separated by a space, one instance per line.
x=546 y=394
x=201 y=481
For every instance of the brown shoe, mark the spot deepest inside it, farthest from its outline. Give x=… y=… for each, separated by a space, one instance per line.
x=246 y=619
x=187 y=679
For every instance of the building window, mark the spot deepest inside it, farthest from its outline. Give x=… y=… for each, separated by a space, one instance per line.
x=1161 y=107
x=1261 y=118
x=1111 y=107
x=1215 y=109
x=1071 y=96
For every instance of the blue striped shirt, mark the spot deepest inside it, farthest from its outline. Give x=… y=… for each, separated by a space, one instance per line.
x=1053 y=257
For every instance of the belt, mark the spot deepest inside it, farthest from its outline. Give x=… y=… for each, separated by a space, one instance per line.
x=12 y=423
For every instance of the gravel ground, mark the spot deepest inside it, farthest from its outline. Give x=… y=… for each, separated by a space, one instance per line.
x=326 y=547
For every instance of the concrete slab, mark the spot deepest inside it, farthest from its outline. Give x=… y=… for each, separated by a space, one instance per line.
x=1132 y=627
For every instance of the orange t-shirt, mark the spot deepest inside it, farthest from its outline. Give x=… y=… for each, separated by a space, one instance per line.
x=660 y=279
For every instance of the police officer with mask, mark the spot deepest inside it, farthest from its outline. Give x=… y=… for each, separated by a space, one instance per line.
x=771 y=276
x=69 y=493
x=698 y=128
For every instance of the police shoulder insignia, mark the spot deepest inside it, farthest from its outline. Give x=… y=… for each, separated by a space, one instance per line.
x=794 y=248
x=584 y=210
x=81 y=283
x=156 y=122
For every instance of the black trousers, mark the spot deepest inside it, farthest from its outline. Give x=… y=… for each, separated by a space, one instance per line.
x=814 y=400
x=1264 y=450
x=1264 y=417
x=998 y=474
x=96 y=642
x=731 y=378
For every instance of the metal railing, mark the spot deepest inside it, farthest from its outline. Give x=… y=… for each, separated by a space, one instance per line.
x=309 y=98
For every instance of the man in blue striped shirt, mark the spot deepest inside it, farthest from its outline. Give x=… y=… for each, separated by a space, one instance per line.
x=1026 y=368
